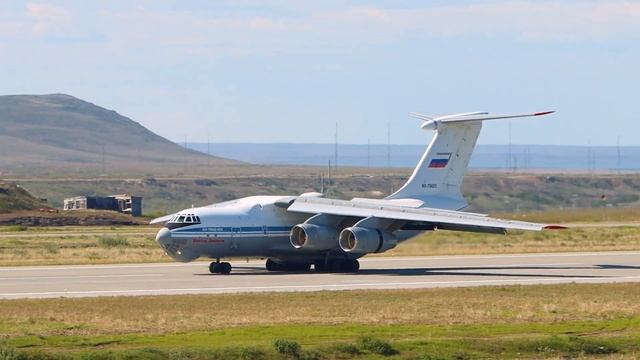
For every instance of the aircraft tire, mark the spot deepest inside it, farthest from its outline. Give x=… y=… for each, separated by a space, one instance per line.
x=352 y=266
x=225 y=268
x=271 y=265
x=214 y=267
x=337 y=266
x=320 y=266
x=301 y=267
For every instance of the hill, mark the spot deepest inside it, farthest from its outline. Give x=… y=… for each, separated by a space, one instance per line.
x=49 y=134
x=15 y=198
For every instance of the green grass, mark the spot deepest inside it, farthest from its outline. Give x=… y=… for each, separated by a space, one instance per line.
x=109 y=242
x=494 y=341
x=540 y=321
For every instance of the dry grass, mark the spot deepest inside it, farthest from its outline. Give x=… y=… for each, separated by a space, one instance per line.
x=593 y=215
x=489 y=305
x=575 y=239
x=87 y=245
x=78 y=245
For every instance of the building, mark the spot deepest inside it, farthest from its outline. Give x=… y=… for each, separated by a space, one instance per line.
x=125 y=204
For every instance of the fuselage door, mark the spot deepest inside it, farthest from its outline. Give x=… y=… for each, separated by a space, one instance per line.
x=233 y=244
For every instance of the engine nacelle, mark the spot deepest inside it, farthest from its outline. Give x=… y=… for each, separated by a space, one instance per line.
x=360 y=240
x=313 y=237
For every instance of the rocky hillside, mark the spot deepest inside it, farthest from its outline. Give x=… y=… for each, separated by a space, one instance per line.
x=15 y=198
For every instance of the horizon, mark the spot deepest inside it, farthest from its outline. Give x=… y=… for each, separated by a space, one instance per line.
x=508 y=157
x=181 y=143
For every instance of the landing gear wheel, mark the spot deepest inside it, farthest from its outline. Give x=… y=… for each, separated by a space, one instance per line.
x=337 y=266
x=301 y=267
x=272 y=265
x=351 y=266
x=225 y=268
x=219 y=268
x=320 y=266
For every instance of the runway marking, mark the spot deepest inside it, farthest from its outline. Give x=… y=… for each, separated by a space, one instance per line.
x=77 y=276
x=240 y=267
x=374 y=259
x=319 y=286
x=506 y=256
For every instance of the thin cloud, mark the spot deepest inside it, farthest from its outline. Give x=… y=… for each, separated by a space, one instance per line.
x=47 y=18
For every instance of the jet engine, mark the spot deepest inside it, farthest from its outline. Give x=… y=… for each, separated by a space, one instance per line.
x=313 y=237
x=360 y=240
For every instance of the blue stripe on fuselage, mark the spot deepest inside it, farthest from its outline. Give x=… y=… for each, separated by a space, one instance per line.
x=233 y=230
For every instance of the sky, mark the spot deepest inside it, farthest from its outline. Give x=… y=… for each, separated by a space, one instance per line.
x=288 y=71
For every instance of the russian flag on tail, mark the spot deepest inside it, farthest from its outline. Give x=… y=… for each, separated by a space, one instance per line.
x=440 y=161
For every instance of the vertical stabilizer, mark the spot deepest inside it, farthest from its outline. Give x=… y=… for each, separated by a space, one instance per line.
x=438 y=176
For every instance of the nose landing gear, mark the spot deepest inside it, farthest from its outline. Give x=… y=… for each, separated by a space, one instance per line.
x=218 y=267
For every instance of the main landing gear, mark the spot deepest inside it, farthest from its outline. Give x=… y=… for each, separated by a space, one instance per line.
x=321 y=266
x=218 y=267
x=276 y=266
x=337 y=266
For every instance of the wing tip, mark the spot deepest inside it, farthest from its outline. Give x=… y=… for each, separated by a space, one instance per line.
x=544 y=113
x=554 y=227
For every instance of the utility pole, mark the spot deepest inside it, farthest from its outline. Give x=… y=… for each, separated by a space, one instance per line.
x=186 y=155
x=368 y=153
x=509 y=158
x=388 y=145
x=336 y=148
x=618 y=151
x=208 y=149
x=589 y=155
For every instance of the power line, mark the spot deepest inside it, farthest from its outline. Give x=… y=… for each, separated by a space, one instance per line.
x=368 y=153
x=618 y=151
x=389 y=145
x=335 y=164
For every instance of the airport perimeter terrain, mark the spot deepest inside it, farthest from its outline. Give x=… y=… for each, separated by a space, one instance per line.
x=560 y=313
x=538 y=321
x=550 y=321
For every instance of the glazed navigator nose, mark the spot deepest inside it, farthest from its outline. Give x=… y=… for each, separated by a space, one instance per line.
x=163 y=238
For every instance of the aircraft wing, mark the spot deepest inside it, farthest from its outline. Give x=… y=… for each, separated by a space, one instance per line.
x=413 y=218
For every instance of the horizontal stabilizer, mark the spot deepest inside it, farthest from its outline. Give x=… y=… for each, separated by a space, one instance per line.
x=431 y=123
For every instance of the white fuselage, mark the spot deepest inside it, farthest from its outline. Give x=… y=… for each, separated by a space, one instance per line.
x=248 y=227
x=252 y=226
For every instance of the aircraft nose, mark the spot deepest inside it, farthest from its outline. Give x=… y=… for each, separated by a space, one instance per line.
x=163 y=238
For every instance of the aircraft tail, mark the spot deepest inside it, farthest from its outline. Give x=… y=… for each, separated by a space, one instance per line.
x=437 y=178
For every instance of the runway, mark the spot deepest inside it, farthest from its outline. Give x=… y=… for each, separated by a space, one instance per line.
x=375 y=273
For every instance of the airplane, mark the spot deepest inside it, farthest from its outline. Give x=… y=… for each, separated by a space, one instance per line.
x=295 y=232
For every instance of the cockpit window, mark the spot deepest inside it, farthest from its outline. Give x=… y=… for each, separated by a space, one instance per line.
x=186 y=219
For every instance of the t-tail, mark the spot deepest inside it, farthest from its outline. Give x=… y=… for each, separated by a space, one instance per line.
x=438 y=176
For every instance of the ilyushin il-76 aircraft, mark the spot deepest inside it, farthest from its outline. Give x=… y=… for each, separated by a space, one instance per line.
x=295 y=232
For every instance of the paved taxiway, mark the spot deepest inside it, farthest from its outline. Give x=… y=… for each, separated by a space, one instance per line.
x=376 y=273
